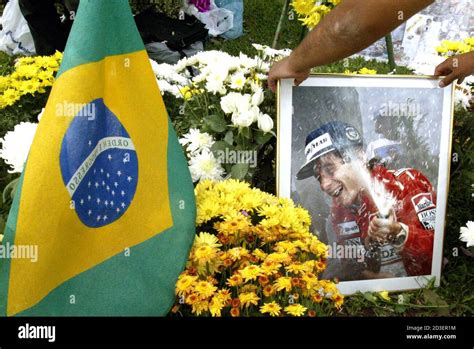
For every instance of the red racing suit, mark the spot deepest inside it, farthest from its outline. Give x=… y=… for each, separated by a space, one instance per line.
x=415 y=210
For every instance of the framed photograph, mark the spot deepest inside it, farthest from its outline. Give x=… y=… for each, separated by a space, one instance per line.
x=369 y=158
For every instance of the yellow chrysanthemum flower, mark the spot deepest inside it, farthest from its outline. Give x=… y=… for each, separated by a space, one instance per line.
x=205 y=289
x=259 y=254
x=186 y=92
x=248 y=298
x=270 y=267
x=199 y=307
x=273 y=309
x=235 y=280
x=302 y=7
x=215 y=306
x=224 y=295
x=268 y=290
x=384 y=295
x=310 y=280
x=295 y=309
x=283 y=283
x=296 y=268
x=192 y=298
x=206 y=239
x=237 y=253
x=251 y=272
x=366 y=71
x=10 y=96
x=279 y=257
x=204 y=254
x=206 y=210
x=338 y=300
x=185 y=283
x=29 y=86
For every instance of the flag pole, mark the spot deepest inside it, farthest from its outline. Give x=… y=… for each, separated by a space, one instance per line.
x=390 y=54
x=280 y=23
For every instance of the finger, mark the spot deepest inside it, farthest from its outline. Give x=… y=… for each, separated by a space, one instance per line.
x=376 y=234
x=271 y=84
x=460 y=80
x=378 y=222
x=299 y=80
x=444 y=68
x=448 y=80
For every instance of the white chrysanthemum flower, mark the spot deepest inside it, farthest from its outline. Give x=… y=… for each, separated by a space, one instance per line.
x=462 y=97
x=214 y=86
x=205 y=166
x=257 y=97
x=196 y=141
x=258 y=47
x=213 y=58
x=247 y=62
x=174 y=89
x=16 y=144
x=181 y=65
x=269 y=52
x=237 y=81
x=193 y=60
x=216 y=79
x=467 y=234
x=165 y=71
x=265 y=122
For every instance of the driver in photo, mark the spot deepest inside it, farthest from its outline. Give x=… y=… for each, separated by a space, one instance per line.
x=397 y=235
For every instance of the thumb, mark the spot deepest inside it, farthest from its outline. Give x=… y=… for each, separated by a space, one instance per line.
x=448 y=80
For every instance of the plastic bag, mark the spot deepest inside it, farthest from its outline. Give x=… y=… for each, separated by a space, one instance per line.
x=237 y=8
x=161 y=53
x=15 y=37
x=217 y=20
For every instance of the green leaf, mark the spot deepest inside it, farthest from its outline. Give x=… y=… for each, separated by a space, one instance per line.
x=262 y=138
x=431 y=297
x=246 y=132
x=370 y=297
x=239 y=171
x=216 y=123
x=229 y=137
x=220 y=146
x=400 y=309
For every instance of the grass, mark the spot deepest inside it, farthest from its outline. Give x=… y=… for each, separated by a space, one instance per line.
x=260 y=23
x=455 y=296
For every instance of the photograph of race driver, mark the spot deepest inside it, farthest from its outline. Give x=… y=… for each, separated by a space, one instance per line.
x=398 y=242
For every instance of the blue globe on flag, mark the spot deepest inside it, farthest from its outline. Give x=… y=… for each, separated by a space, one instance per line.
x=99 y=165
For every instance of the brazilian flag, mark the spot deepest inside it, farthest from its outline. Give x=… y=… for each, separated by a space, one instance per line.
x=106 y=196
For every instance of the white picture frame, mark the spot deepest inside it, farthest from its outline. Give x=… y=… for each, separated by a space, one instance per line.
x=356 y=99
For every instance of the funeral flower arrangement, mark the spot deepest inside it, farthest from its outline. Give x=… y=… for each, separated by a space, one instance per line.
x=225 y=117
x=253 y=255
